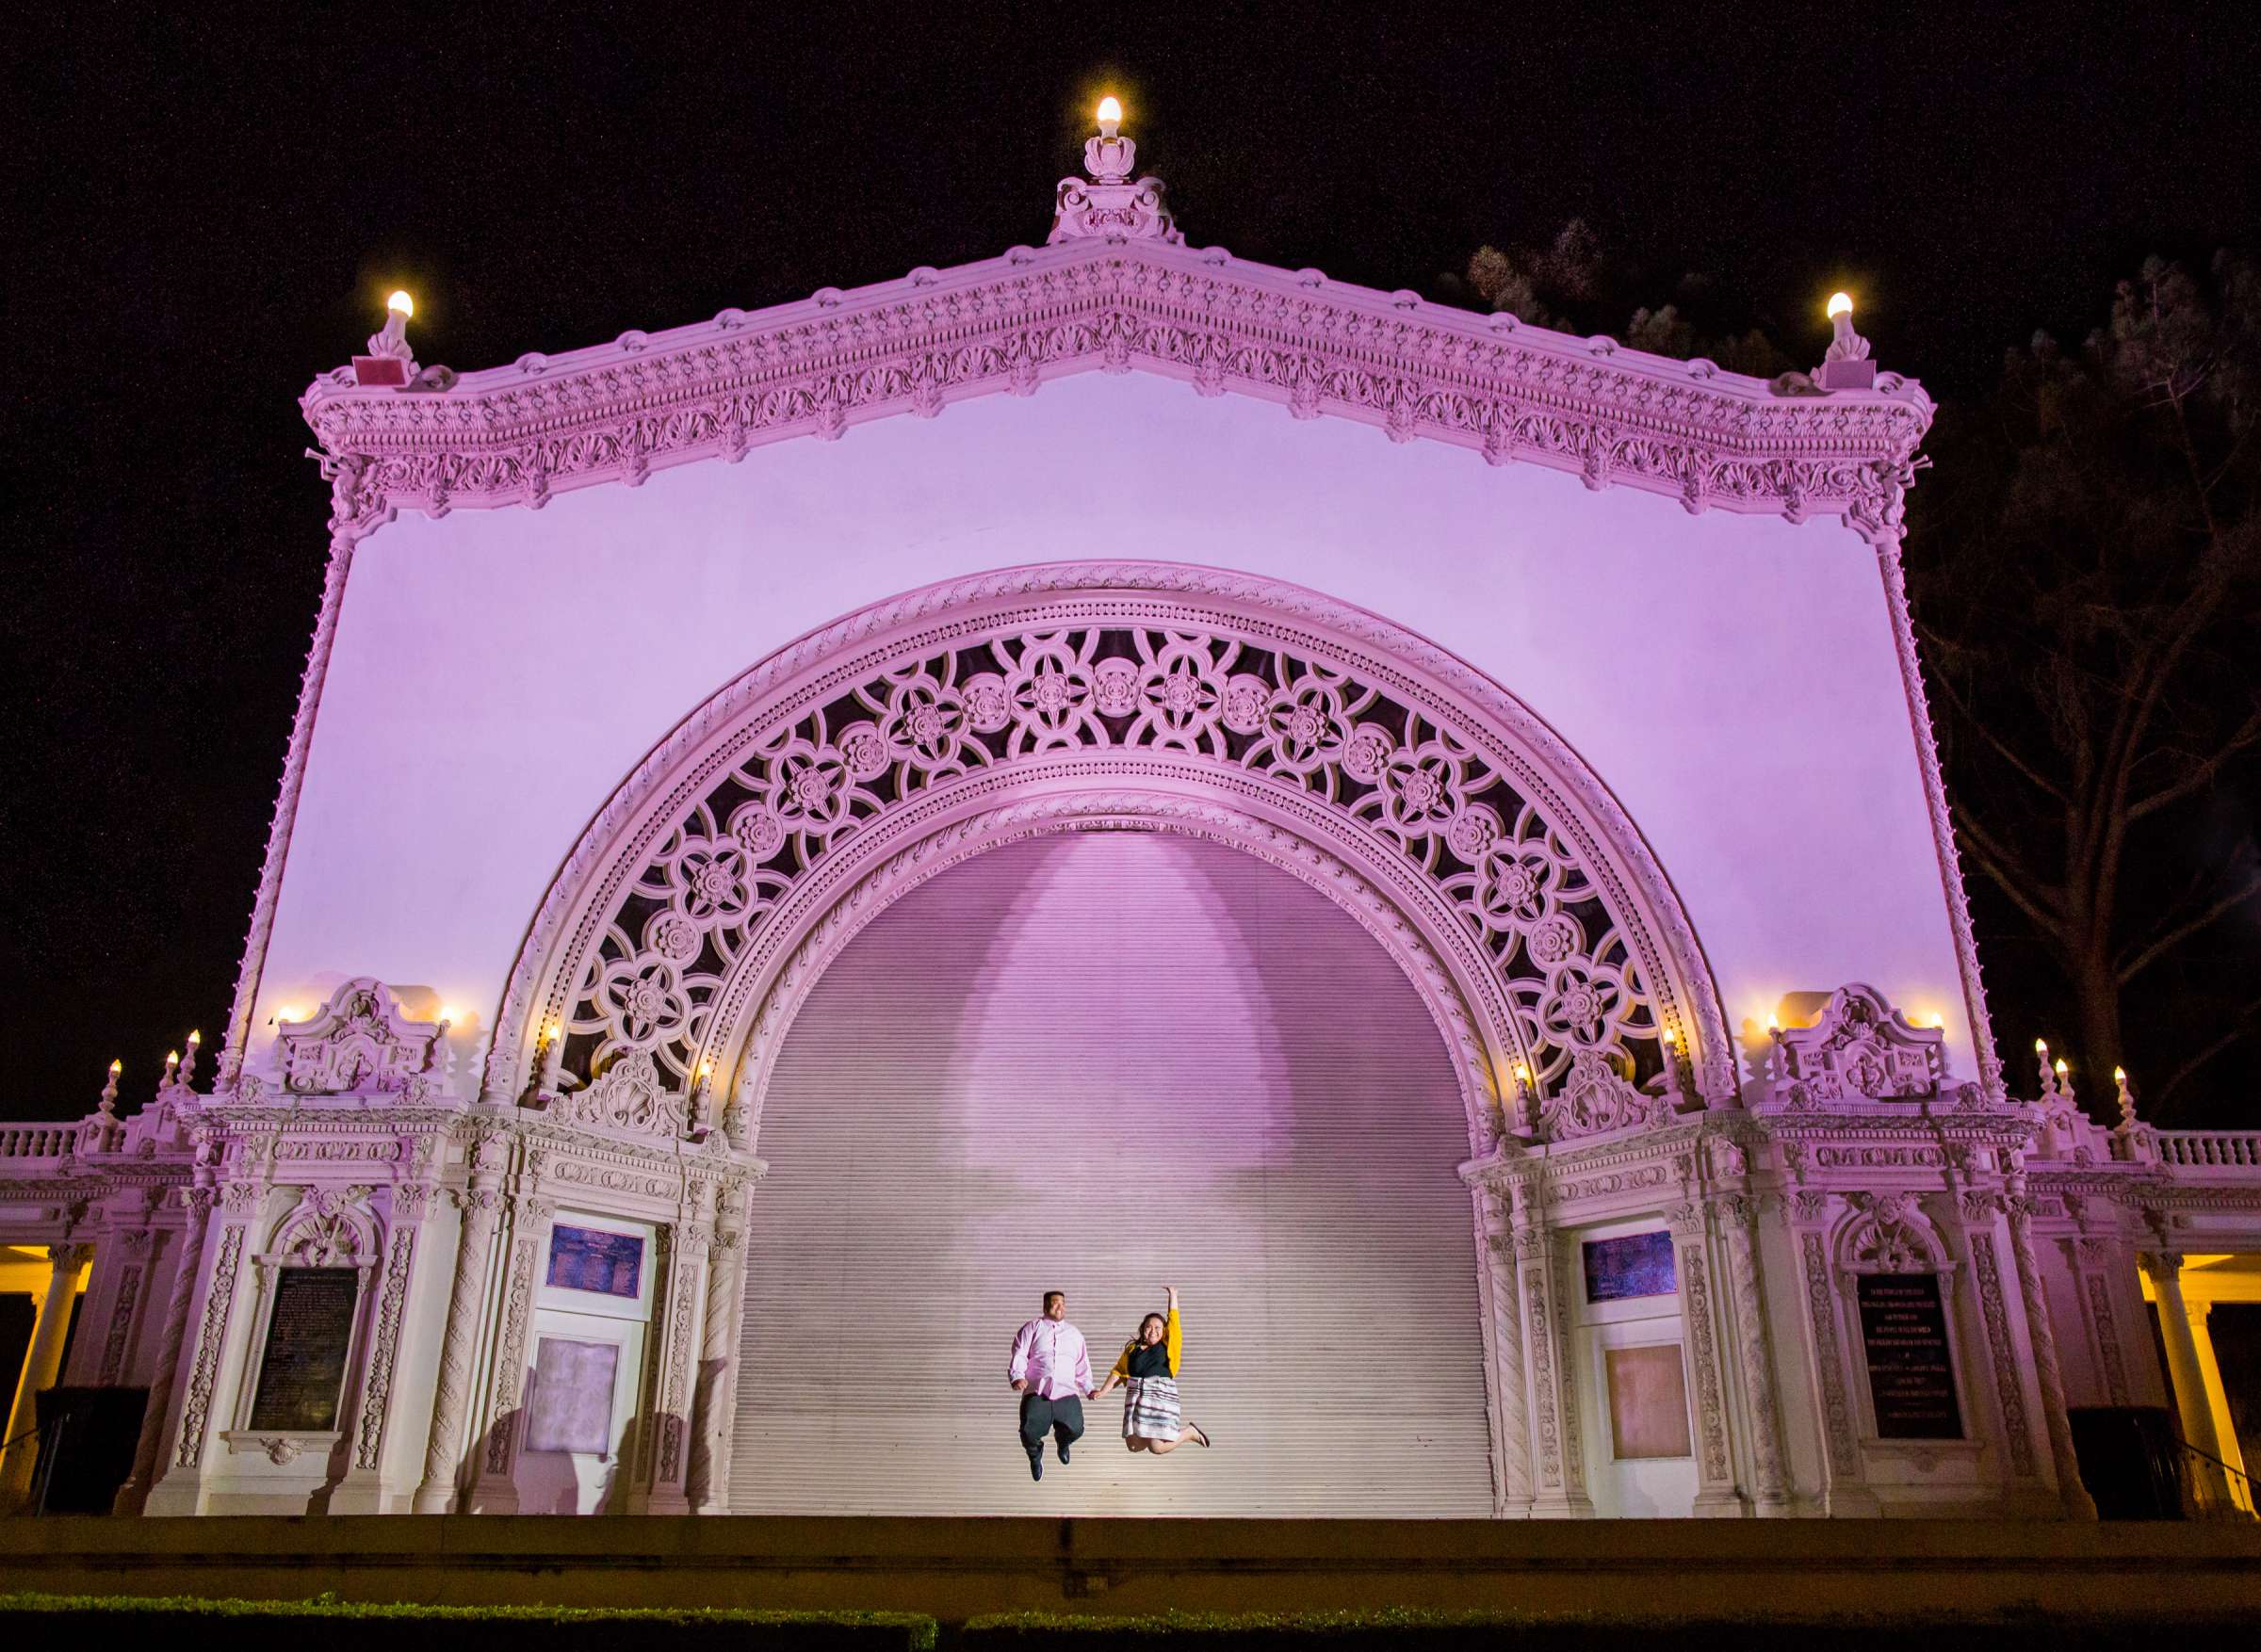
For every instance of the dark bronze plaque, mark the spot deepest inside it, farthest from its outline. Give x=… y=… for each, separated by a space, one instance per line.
x=1910 y=1377
x=303 y=1373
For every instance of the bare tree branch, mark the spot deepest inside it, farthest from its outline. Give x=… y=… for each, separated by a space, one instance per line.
x=2237 y=1026
x=2001 y=747
x=2201 y=774
x=2183 y=932
x=2001 y=865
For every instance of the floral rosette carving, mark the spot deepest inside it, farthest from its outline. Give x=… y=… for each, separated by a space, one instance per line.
x=1411 y=784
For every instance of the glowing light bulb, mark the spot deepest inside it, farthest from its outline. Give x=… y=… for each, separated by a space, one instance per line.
x=407 y=306
x=1111 y=110
x=554 y=1033
x=1772 y=1025
x=2040 y=1046
x=1523 y=1074
x=195 y=1037
x=1840 y=304
x=2119 y=1075
x=1670 y=1037
x=448 y=1013
x=2062 y=1068
x=115 y=1068
x=172 y=1060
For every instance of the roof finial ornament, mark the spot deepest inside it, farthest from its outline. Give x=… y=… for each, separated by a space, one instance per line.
x=1108 y=204
x=1845 y=364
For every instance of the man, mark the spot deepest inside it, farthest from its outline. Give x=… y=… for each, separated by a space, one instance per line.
x=1050 y=1370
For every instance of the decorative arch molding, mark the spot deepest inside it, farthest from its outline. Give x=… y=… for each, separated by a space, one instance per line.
x=1168 y=690
x=785 y=987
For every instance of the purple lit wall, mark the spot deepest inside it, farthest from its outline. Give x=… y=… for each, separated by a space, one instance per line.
x=498 y=672
x=1107 y=1064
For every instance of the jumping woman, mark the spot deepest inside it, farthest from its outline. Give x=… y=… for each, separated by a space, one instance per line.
x=1149 y=1372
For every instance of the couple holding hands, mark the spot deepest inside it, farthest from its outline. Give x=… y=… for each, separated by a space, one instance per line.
x=1050 y=1370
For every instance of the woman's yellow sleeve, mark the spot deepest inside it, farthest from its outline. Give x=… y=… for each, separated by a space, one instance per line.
x=1122 y=1364
x=1175 y=1338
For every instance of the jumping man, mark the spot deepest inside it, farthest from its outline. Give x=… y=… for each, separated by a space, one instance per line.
x=1050 y=1370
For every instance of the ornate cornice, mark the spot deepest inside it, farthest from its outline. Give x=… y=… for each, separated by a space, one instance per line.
x=516 y=435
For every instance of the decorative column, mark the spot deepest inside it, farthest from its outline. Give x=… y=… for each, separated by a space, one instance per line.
x=1739 y=1225
x=2043 y=1339
x=1503 y=1325
x=724 y=1323
x=1845 y=1488
x=139 y=1245
x=2093 y=1273
x=2211 y=1485
x=1716 y=1493
x=2217 y=1403
x=1974 y=1214
x=1559 y=1482
x=665 y=1457
x=165 y=1373
x=176 y=1491
x=42 y=1363
x=482 y=1205
x=363 y=1489
x=496 y=1490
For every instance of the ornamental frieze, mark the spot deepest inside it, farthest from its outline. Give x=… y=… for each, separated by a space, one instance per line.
x=514 y=435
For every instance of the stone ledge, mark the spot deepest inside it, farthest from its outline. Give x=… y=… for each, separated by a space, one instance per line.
x=958 y=1569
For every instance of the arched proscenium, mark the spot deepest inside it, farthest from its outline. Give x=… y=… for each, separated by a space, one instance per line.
x=1319 y=721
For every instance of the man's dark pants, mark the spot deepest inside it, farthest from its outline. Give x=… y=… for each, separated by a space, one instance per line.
x=1064 y=1417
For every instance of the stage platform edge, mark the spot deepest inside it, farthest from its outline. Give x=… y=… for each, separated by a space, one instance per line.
x=958 y=1569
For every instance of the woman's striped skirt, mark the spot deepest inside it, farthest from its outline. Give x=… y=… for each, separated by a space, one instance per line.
x=1150 y=1409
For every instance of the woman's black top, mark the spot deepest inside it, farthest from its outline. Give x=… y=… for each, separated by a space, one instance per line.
x=1151 y=1360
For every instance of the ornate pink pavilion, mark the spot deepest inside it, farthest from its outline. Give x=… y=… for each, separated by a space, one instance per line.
x=1112 y=765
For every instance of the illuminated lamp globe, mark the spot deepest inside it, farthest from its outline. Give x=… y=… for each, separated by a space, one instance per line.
x=1111 y=110
x=407 y=306
x=1840 y=304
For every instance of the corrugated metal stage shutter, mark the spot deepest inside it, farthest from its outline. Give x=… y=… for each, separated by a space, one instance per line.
x=1104 y=1064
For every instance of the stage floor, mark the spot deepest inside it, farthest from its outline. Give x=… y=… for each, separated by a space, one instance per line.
x=955 y=1569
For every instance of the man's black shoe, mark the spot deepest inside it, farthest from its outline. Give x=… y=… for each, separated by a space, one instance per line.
x=1035 y=1465
x=1064 y=1452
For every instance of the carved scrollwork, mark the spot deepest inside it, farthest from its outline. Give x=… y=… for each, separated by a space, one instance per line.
x=1390 y=766
x=357 y=1043
x=1860 y=1049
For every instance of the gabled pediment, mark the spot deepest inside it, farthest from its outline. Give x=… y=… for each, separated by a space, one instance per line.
x=1135 y=301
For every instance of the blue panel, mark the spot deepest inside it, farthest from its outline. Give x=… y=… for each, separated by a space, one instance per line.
x=1640 y=1264
x=586 y=1258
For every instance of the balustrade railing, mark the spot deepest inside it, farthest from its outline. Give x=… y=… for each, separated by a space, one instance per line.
x=2211 y=1149
x=37 y=1140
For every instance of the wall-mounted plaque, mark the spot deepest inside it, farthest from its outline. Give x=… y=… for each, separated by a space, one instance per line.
x=589 y=1259
x=1910 y=1376
x=302 y=1373
x=1640 y=1264
x=570 y=1409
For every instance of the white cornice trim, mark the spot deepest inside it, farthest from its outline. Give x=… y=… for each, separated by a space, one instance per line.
x=515 y=435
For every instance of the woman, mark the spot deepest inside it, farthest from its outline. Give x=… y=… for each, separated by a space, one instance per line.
x=1149 y=1372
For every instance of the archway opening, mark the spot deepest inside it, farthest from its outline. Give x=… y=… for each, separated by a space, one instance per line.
x=1108 y=1062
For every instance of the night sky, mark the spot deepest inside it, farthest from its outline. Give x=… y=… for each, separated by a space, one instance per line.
x=208 y=214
